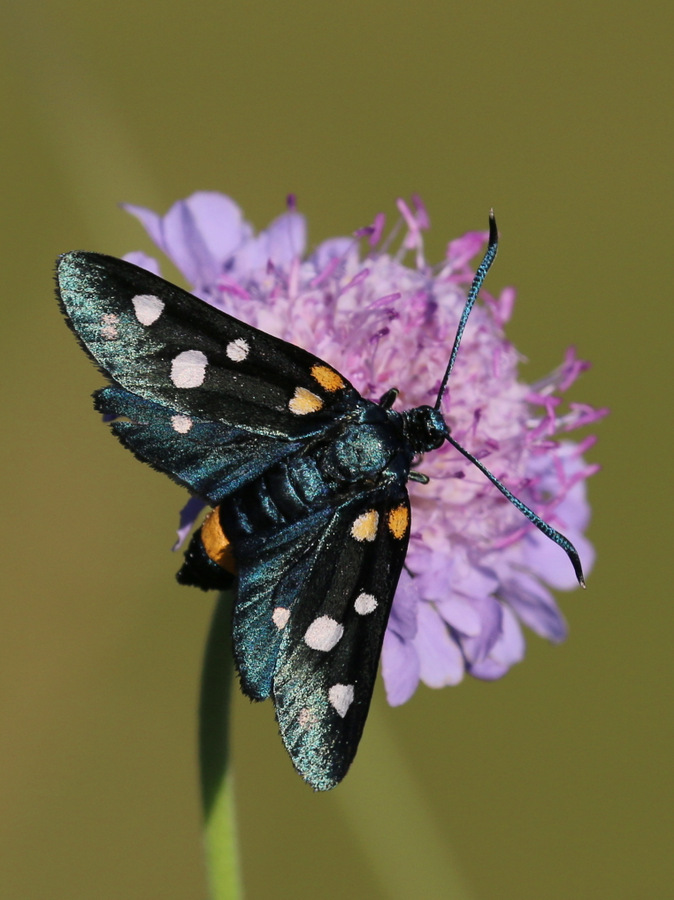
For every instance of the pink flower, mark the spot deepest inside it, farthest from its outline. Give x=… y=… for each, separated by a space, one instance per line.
x=476 y=569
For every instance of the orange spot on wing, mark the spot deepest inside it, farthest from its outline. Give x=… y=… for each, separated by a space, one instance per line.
x=216 y=543
x=327 y=378
x=365 y=526
x=304 y=402
x=398 y=521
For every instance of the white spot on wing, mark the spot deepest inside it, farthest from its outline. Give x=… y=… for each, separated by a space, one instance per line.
x=306 y=717
x=341 y=698
x=323 y=633
x=280 y=617
x=181 y=424
x=365 y=603
x=148 y=308
x=109 y=322
x=188 y=369
x=237 y=350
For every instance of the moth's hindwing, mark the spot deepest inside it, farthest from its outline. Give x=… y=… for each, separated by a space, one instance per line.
x=309 y=625
x=211 y=458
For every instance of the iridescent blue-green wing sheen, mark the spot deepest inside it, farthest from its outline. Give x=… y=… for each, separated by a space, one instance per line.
x=272 y=567
x=301 y=470
x=210 y=458
x=166 y=346
x=311 y=630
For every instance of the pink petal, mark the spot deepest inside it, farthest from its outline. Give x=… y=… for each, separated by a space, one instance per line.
x=400 y=669
x=441 y=661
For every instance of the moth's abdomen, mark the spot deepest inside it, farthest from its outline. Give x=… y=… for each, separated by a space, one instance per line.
x=285 y=493
x=209 y=561
x=288 y=492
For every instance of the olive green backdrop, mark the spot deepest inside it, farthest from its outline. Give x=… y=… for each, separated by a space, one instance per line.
x=555 y=782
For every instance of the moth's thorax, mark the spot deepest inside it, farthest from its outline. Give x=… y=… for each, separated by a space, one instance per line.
x=362 y=452
x=424 y=428
x=365 y=451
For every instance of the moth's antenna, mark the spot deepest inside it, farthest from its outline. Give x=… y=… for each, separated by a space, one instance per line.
x=547 y=530
x=543 y=526
x=480 y=275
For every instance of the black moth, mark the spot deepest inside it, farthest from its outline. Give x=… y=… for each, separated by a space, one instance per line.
x=307 y=480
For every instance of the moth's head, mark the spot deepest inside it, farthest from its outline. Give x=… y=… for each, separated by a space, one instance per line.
x=425 y=428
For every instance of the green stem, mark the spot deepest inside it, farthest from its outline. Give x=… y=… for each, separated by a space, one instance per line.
x=216 y=776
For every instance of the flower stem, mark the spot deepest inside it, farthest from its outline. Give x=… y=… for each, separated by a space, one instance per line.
x=214 y=760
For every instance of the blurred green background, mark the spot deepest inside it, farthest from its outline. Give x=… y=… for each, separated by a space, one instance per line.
x=554 y=782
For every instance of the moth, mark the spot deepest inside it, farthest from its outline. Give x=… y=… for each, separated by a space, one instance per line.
x=306 y=478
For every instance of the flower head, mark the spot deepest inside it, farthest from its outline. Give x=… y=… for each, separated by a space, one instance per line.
x=476 y=570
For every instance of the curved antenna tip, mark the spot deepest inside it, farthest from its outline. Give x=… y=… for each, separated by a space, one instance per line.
x=493 y=230
x=575 y=561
